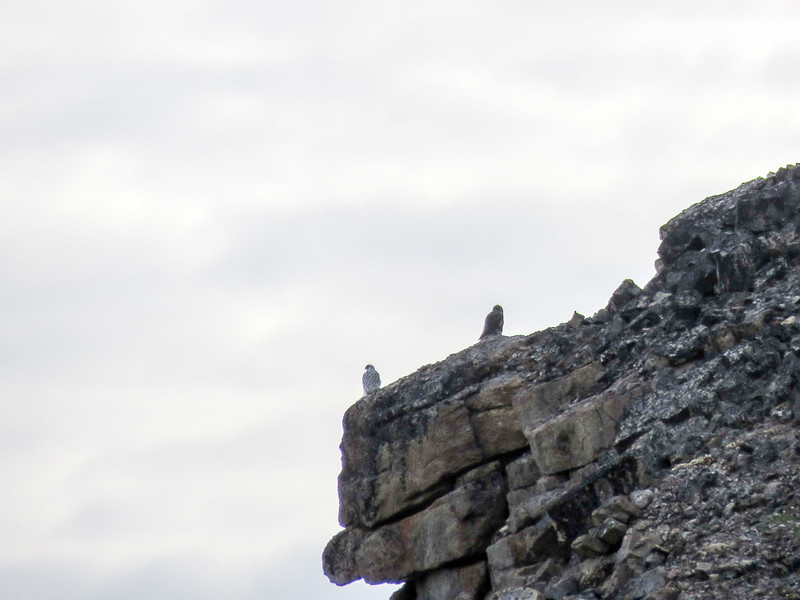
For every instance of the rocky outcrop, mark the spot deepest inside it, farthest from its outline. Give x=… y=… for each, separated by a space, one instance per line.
x=650 y=451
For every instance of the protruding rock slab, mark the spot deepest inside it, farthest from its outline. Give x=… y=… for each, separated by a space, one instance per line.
x=408 y=467
x=457 y=526
x=577 y=436
x=538 y=403
x=404 y=444
x=494 y=419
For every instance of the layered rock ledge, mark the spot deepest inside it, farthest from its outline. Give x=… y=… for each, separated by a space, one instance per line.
x=649 y=451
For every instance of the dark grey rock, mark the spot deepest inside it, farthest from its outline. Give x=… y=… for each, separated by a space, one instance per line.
x=666 y=593
x=620 y=576
x=623 y=295
x=470 y=582
x=611 y=531
x=566 y=585
x=735 y=265
x=637 y=545
x=522 y=472
x=593 y=571
x=644 y=585
x=407 y=592
x=517 y=593
x=765 y=452
x=529 y=546
x=641 y=498
x=619 y=508
x=589 y=545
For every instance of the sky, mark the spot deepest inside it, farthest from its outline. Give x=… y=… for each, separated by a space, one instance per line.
x=214 y=213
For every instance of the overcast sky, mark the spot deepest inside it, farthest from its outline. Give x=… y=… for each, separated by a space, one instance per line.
x=214 y=213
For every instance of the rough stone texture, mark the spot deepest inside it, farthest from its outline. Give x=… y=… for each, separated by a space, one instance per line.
x=641 y=498
x=611 y=531
x=620 y=576
x=619 y=508
x=449 y=446
x=636 y=544
x=517 y=594
x=538 y=403
x=562 y=587
x=649 y=451
x=527 y=506
x=539 y=550
x=403 y=443
x=578 y=435
x=594 y=571
x=455 y=526
x=460 y=583
x=589 y=545
x=644 y=586
x=623 y=295
x=522 y=473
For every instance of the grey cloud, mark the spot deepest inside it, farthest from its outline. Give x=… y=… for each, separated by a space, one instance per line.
x=429 y=274
x=169 y=580
x=141 y=480
x=294 y=575
x=474 y=237
x=44 y=581
x=390 y=255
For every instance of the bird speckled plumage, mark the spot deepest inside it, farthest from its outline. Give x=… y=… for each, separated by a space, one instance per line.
x=371 y=379
x=494 y=323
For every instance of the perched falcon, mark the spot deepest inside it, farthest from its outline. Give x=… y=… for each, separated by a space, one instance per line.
x=370 y=379
x=494 y=323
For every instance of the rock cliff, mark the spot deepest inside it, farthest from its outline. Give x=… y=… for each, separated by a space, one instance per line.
x=650 y=451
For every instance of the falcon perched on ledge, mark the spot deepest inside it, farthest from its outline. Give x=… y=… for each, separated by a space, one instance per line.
x=371 y=379
x=494 y=323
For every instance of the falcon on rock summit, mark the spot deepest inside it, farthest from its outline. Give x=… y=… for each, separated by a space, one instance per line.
x=370 y=379
x=494 y=323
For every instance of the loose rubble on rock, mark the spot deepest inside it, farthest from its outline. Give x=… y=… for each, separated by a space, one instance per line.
x=651 y=451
